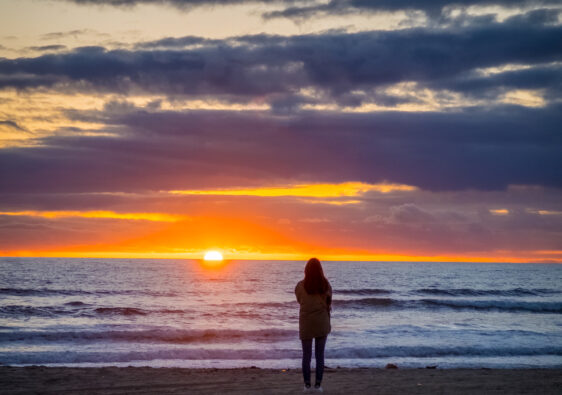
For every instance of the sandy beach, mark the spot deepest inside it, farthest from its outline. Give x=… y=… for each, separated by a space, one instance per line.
x=113 y=380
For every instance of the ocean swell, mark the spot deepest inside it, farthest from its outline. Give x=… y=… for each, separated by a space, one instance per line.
x=514 y=292
x=454 y=304
x=165 y=335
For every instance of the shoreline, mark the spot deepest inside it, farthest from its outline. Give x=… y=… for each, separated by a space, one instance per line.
x=147 y=380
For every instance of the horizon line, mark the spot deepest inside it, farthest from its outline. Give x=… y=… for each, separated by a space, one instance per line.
x=343 y=259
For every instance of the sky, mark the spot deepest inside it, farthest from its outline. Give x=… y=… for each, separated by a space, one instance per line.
x=282 y=129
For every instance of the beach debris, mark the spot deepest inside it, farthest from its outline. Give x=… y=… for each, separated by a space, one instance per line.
x=431 y=367
x=391 y=366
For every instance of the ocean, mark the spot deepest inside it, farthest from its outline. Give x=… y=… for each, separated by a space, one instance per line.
x=164 y=313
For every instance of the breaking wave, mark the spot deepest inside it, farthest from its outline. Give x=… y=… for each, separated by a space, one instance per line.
x=268 y=354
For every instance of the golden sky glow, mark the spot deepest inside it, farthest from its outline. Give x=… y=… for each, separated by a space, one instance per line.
x=156 y=217
x=531 y=256
x=332 y=202
x=44 y=113
x=346 y=189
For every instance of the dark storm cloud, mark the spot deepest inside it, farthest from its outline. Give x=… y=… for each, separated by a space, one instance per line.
x=478 y=149
x=432 y=8
x=247 y=67
x=545 y=78
x=539 y=17
x=172 y=42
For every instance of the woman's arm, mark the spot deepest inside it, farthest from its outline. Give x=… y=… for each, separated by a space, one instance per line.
x=329 y=298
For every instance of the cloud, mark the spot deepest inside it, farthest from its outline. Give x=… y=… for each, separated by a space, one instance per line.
x=70 y=33
x=432 y=8
x=176 y=42
x=348 y=189
x=181 y=4
x=310 y=8
x=539 y=17
x=42 y=48
x=499 y=211
x=549 y=212
x=156 y=217
x=167 y=150
x=12 y=125
x=547 y=78
x=346 y=68
x=410 y=213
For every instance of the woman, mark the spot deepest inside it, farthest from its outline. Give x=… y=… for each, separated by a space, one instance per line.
x=314 y=295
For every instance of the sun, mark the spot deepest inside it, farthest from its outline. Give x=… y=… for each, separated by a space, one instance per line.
x=214 y=256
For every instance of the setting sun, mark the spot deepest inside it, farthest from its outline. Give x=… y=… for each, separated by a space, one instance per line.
x=213 y=256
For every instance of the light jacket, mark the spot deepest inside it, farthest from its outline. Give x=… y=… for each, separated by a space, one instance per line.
x=314 y=313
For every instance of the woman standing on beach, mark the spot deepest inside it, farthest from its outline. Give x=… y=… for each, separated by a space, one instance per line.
x=314 y=295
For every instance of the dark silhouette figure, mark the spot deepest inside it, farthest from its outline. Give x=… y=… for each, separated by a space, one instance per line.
x=314 y=295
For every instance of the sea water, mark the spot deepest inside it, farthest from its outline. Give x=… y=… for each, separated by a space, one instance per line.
x=98 y=312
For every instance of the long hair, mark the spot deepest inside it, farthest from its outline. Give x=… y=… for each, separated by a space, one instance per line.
x=314 y=280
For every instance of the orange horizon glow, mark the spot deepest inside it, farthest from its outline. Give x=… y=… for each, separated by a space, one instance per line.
x=242 y=232
x=283 y=256
x=240 y=237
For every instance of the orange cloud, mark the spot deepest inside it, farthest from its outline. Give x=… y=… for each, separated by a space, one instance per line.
x=156 y=217
x=331 y=202
x=346 y=189
x=501 y=211
x=549 y=212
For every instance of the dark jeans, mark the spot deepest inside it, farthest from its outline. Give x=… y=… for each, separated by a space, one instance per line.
x=319 y=346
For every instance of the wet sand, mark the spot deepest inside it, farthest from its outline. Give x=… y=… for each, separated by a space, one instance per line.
x=113 y=380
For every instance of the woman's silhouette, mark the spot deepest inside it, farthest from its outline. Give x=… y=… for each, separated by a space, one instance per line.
x=314 y=295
